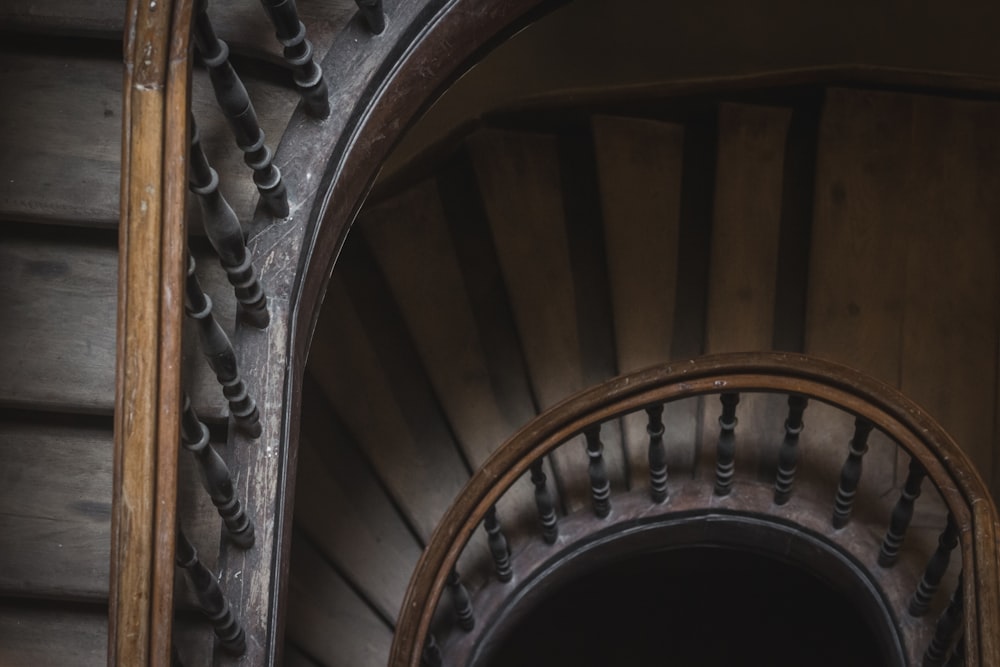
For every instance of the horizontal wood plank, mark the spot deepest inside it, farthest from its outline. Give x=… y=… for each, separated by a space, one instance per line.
x=43 y=635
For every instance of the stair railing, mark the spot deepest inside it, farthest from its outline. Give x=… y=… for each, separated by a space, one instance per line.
x=969 y=621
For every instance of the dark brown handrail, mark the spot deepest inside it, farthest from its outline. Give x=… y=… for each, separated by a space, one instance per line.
x=150 y=310
x=947 y=467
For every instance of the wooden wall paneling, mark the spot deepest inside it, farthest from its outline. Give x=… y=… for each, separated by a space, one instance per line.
x=639 y=168
x=295 y=657
x=858 y=265
x=744 y=259
x=341 y=507
x=520 y=182
x=327 y=618
x=410 y=240
x=423 y=476
x=41 y=634
x=951 y=295
x=62 y=148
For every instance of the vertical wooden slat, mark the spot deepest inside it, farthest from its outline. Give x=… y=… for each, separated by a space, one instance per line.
x=152 y=246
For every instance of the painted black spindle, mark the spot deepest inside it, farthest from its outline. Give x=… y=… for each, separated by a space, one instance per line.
x=499 y=548
x=213 y=603
x=902 y=513
x=298 y=52
x=543 y=501
x=789 y=452
x=725 y=462
x=374 y=14
x=221 y=357
x=215 y=478
x=957 y=658
x=850 y=474
x=232 y=97
x=946 y=629
x=226 y=235
x=600 y=486
x=431 y=655
x=936 y=567
x=657 y=454
x=461 y=602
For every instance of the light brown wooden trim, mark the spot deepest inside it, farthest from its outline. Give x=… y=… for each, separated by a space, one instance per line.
x=948 y=468
x=151 y=269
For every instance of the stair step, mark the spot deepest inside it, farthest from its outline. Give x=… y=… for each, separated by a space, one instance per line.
x=59 y=313
x=520 y=179
x=329 y=621
x=47 y=635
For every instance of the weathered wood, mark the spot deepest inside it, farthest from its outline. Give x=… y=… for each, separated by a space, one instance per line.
x=788 y=452
x=850 y=474
x=329 y=620
x=725 y=457
x=220 y=355
x=936 y=567
x=210 y=597
x=53 y=635
x=902 y=514
x=215 y=477
x=226 y=235
x=298 y=53
x=239 y=110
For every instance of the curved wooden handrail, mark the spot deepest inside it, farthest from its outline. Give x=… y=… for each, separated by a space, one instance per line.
x=150 y=310
x=947 y=467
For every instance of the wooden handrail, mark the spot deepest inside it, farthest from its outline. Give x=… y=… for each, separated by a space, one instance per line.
x=150 y=310
x=946 y=466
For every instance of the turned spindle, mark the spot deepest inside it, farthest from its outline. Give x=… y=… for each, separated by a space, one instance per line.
x=657 y=454
x=431 y=655
x=461 y=602
x=374 y=14
x=215 y=477
x=226 y=235
x=936 y=567
x=788 y=452
x=850 y=474
x=499 y=548
x=600 y=486
x=945 y=630
x=725 y=461
x=238 y=109
x=210 y=597
x=220 y=355
x=543 y=501
x=902 y=514
x=298 y=52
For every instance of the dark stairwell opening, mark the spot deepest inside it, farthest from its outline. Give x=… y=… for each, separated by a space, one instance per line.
x=698 y=606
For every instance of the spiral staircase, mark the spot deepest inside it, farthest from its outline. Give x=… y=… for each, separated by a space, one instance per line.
x=532 y=255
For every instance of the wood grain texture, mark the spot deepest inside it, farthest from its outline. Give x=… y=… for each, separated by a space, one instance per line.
x=639 y=167
x=520 y=183
x=41 y=635
x=327 y=619
x=744 y=261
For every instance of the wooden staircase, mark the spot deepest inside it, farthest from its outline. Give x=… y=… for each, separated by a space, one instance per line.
x=540 y=254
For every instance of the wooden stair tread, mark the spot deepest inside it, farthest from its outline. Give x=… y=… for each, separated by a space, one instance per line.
x=345 y=513
x=327 y=619
x=520 y=181
x=38 y=635
x=59 y=312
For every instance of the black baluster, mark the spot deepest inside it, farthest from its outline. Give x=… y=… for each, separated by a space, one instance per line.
x=850 y=474
x=213 y=603
x=461 y=602
x=238 y=110
x=600 y=486
x=431 y=656
x=902 y=513
x=374 y=14
x=298 y=52
x=543 y=501
x=499 y=548
x=221 y=357
x=947 y=627
x=226 y=235
x=215 y=477
x=789 y=452
x=657 y=455
x=725 y=462
x=936 y=568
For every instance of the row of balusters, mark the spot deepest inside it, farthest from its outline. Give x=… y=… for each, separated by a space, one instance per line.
x=227 y=237
x=945 y=645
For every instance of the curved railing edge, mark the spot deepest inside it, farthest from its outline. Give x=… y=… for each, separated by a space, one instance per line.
x=965 y=494
x=156 y=85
